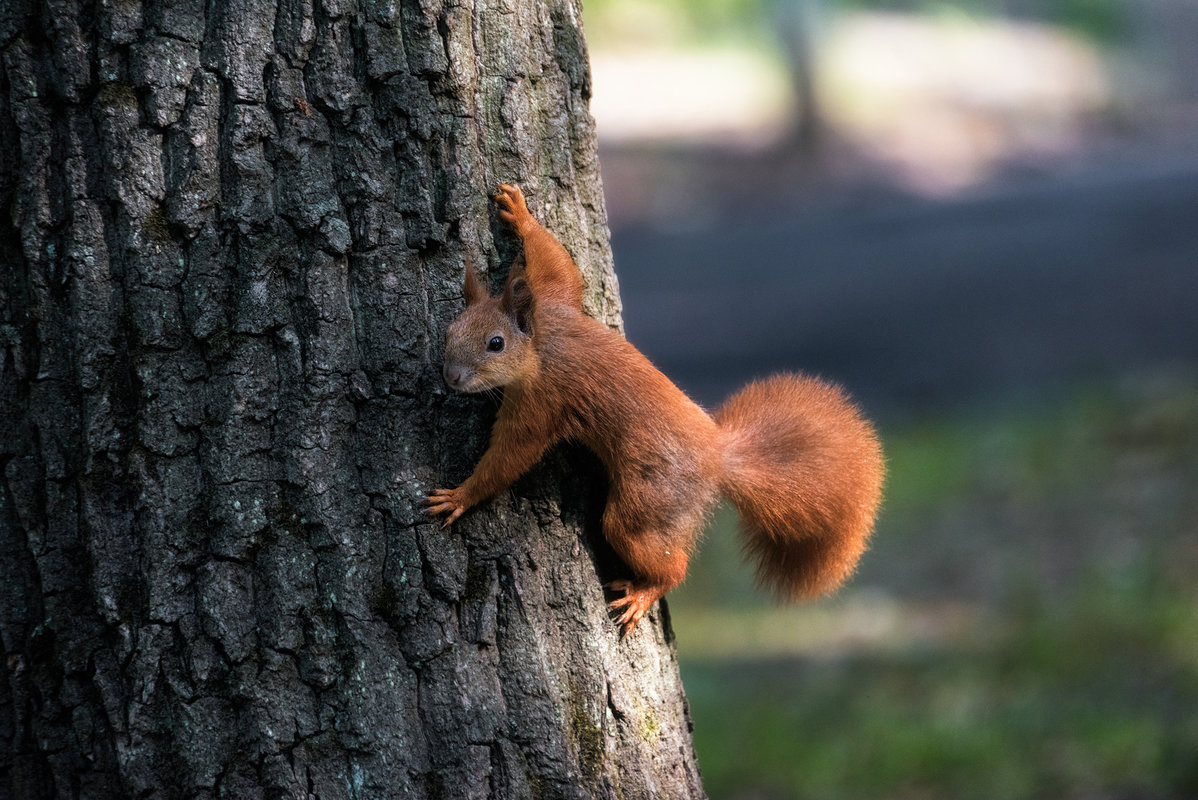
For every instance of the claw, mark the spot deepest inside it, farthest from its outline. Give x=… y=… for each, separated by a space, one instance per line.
x=633 y=606
x=441 y=501
x=620 y=602
x=511 y=203
x=629 y=619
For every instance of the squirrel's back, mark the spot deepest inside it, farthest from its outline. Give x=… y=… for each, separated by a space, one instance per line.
x=618 y=404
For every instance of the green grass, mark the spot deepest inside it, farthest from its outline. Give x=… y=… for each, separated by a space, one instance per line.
x=1024 y=626
x=1088 y=697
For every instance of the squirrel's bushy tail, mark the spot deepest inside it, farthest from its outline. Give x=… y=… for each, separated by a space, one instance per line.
x=804 y=469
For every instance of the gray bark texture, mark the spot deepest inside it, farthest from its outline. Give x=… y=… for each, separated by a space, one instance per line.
x=234 y=236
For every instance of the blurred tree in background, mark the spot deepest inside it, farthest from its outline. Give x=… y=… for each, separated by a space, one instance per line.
x=988 y=237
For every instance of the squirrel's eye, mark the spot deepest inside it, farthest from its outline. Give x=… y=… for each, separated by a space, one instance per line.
x=496 y=344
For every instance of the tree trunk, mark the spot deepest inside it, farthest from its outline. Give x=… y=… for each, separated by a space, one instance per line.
x=237 y=236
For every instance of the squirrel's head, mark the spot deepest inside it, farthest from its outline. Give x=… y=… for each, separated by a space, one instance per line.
x=490 y=344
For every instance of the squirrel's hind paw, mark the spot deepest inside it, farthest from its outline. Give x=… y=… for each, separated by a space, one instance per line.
x=635 y=603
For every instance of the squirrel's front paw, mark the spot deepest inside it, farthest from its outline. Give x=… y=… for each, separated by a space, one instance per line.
x=442 y=501
x=512 y=208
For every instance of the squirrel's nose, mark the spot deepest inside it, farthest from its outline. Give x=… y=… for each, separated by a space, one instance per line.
x=454 y=375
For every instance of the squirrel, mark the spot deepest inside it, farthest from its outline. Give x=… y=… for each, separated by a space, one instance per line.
x=793 y=454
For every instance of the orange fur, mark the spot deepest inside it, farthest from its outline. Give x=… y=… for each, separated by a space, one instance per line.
x=792 y=453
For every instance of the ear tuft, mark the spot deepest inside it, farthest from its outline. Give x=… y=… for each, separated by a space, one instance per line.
x=519 y=303
x=472 y=286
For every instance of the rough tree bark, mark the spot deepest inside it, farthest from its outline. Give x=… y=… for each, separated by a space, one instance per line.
x=236 y=236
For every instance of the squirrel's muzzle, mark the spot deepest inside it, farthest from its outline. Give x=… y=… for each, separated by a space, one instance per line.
x=455 y=375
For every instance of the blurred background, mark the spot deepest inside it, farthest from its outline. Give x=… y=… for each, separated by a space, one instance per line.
x=982 y=218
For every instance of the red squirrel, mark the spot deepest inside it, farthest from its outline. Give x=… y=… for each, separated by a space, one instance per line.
x=792 y=453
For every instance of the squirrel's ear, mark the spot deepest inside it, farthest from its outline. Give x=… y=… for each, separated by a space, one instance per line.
x=472 y=286
x=519 y=303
